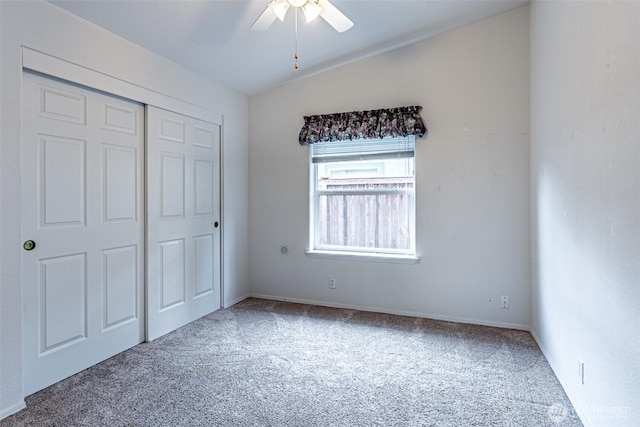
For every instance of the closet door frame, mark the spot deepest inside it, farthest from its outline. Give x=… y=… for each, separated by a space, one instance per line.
x=49 y=65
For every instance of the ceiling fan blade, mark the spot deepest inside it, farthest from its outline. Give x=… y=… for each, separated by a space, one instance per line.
x=334 y=17
x=264 y=21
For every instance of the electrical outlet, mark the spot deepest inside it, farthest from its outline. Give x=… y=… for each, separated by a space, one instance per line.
x=581 y=371
x=332 y=282
x=504 y=302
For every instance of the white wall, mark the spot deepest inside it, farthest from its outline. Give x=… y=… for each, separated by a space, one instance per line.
x=585 y=174
x=44 y=27
x=472 y=178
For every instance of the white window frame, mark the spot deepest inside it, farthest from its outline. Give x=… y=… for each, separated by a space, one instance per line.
x=359 y=253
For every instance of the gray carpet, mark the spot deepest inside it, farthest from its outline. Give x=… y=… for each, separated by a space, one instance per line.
x=268 y=363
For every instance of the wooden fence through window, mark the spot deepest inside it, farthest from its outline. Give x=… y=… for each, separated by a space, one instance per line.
x=365 y=220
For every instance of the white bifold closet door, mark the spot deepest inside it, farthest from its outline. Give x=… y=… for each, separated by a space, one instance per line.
x=183 y=215
x=83 y=209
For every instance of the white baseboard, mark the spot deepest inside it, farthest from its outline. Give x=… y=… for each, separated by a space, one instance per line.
x=12 y=409
x=397 y=312
x=581 y=414
x=231 y=303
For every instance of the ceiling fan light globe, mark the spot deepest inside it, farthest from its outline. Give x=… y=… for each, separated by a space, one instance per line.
x=279 y=8
x=311 y=11
x=298 y=3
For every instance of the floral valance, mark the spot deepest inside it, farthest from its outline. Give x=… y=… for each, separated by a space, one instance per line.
x=400 y=121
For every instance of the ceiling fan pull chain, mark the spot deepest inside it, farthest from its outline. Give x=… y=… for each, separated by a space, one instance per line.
x=295 y=21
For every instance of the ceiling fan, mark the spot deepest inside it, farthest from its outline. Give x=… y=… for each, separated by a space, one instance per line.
x=311 y=10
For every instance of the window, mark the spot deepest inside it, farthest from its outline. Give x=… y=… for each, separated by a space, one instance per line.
x=363 y=196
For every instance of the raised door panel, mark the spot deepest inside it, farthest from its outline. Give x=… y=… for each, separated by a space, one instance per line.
x=172 y=283
x=204 y=265
x=60 y=104
x=63 y=308
x=205 y=137
x=203 y=193
x=120 y=285
x=120 y=119
x=172 y=185
x=172 y=130
x=62 y=190
x=119 y=189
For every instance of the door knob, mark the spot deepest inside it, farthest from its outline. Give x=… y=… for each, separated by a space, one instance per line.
x=29 y=245
x=215 y=224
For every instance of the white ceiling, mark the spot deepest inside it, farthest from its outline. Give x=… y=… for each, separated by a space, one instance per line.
x=213 y=38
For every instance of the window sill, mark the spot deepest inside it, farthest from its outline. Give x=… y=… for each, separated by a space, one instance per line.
x=370 y=257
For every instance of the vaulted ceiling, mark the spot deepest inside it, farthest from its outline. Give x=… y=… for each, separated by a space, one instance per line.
x=213 y=37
